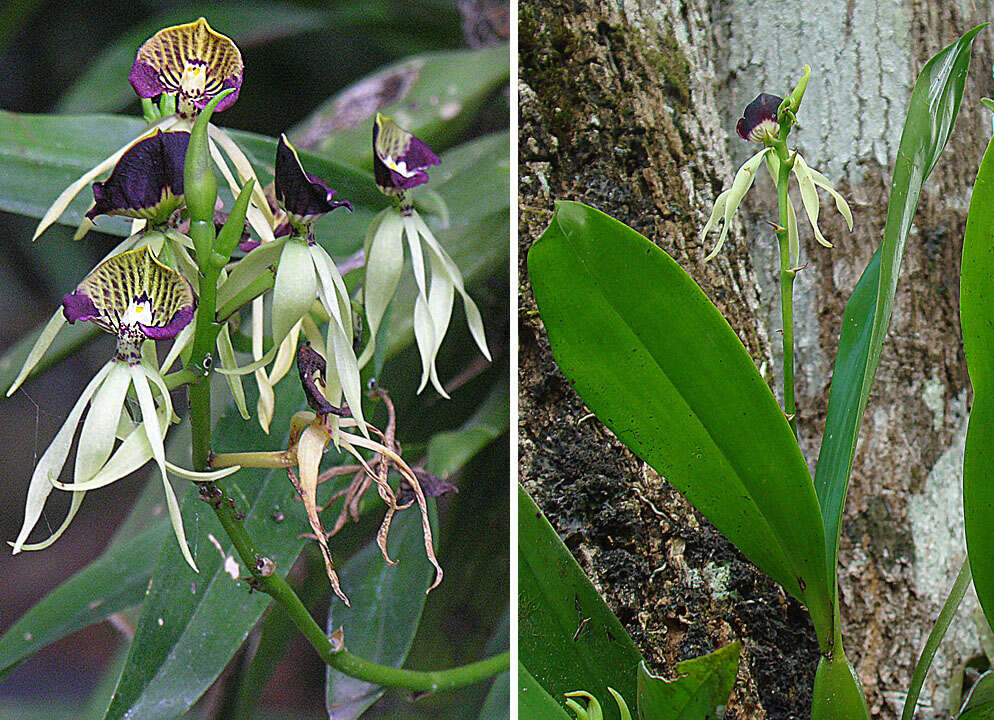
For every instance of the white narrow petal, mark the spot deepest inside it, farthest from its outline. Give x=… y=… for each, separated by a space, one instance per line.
x=182 y=339
x=85 y=225
x=259 y=221
x=809 y=197
x=287 y=353
x=717 y=213
x=384 y=264
x=417 y=257
x=96 y=439
x=331 y=291
x=62 y=201
x=226 y=353
x=202 y=476
x=840 y=202
x=74 y=505
x=313 y=335
x=440 y=298
x=185 y=262
x=346 y=369
x=473 y=317
x=266 y=404
x=152 y=373
x=425 y=336
x=793 y=242
x=153 y=432
x=244 y=169
x=253 y=367
x=743 y=181
x=50 y=466
x=44 y=341
x=295 y=288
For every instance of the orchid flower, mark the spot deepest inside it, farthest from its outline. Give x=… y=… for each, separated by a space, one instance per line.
x=185 y=66
x=306 y=272
x=310 y=434
x=760 y=124
x=146 y=184
x=400 y=163
x=135 y=297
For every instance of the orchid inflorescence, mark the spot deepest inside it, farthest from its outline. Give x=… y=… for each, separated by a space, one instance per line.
x=184 y=251
x=768 y=120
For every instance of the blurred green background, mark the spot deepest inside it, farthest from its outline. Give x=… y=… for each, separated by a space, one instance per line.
x=72 y=57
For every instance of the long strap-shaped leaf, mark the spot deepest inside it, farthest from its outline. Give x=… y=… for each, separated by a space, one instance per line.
x=932 y=111
x=977 y=319
x=661 y=367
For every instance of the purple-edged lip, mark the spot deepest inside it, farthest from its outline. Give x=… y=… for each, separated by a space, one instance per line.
x=190 y=61
x=303 y=195
x=399 y=159
x=147 y=182
x=759 y=120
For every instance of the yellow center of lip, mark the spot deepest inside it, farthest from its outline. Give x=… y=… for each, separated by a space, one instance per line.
x=194 y=79
x=138 y=313
x=398 y=167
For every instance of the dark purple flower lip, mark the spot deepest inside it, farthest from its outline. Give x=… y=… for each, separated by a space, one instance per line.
x=303 y=196
x=311 y=367
x=190 y=61
x=133 y=290
x=760 y=118
x=147 y=181
x=399 y=158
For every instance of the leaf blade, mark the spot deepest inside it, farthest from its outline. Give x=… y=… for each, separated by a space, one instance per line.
x=654 y=359
x=932 y=111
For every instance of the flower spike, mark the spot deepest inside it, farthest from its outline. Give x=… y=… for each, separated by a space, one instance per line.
x=147 y=182
x=399 y=159
x=191 y=62
x=302 y=195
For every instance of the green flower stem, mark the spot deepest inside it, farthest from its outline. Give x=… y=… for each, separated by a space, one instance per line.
x=787 y=274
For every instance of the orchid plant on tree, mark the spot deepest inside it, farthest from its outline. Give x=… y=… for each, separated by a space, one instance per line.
x=653 y=357
x=187 y=273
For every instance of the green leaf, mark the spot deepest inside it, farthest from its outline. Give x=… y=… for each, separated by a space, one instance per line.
x=192 y=624
x=115 y=581
x=976 y=311
x=934 y=639
x=568 y=638
x=699 y=692
x=657 y=363
x=979 y=704
x=932 y=111
x=534 y=703
x=434 y=96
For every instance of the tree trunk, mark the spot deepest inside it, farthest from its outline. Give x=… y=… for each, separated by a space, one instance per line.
x=631 y=107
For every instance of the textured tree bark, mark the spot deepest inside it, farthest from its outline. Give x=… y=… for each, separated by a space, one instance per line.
x=631 y=107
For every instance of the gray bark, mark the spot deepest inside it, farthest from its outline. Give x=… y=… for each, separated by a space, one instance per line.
x=631 y=107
